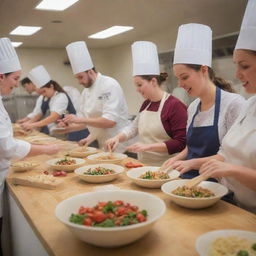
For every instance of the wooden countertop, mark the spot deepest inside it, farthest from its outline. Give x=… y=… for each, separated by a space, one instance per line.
x=174 y=234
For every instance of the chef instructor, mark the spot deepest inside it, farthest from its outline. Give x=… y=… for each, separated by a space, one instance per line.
x=103 y=108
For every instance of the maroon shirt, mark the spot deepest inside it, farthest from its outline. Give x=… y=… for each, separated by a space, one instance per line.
x=174 y=120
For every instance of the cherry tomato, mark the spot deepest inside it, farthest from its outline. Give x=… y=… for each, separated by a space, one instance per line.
x=99 y=216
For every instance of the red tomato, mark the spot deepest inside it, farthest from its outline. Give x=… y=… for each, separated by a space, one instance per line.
x=140 y=217
x=102 y=204
x=118 y=222
x=121 y=211
x=133 y=165
x=87 y=222
x=111 y=215
x=118 y=202
x=83 y=210
x=46 y=173
x=99 y=216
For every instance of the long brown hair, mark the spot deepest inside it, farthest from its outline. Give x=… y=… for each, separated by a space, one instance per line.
x=159 y=78
x=218 y=81
x=56 y=86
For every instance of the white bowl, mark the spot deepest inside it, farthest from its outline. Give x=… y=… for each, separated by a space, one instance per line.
x=99 y=178
x=23 y=166
x=83 y=151
x=204 y=242
x=134 y=174
x=118 y=158
x=114 y=236
x=195 y=203
x=71 y=167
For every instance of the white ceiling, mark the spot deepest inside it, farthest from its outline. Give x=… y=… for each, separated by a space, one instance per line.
x=86 y=17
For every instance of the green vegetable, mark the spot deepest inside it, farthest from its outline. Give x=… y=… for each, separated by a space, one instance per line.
x=109 y=207
x=254 y=246
x=242 y=253
x=106 y=223
x=77 y=218
x=144 y=212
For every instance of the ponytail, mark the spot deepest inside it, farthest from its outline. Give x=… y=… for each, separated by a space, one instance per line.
x=159 y=78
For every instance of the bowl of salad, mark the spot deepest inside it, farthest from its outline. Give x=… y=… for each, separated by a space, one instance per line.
x=110 y=218
x=99 y=173
x=204 y=195
x=66 y=163
x=150 y=177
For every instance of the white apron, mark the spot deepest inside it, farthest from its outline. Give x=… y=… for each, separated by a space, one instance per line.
x=151 y=130
x=92 y=106
x=239 y=146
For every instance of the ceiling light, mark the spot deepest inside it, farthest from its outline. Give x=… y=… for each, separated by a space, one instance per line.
x=25 y=30
x=16 y=44
x=112 y=31
x=55 y=5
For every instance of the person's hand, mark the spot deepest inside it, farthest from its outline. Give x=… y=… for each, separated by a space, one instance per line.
x=71 y=119
x=27 y=126
x=138 y=147
x=183 y=166
x=20 y=121
x=111 y=144
x=61 y=123
x=216 y=168
x=84 y=142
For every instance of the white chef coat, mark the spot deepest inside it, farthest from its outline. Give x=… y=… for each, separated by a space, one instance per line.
x=74 y=95
x=239 y=148
x=37 y=108
x=10 y=148
x=105 y=99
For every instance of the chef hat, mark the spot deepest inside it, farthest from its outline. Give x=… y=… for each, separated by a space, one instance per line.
x=39 y=76
x=247 y=35
x=79 y=57
x=145 y=58
x=9 y=61
x=193 y=45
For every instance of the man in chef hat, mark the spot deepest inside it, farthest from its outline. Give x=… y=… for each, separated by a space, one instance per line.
x=215 y=108
x=11 y=148
x=103 y=107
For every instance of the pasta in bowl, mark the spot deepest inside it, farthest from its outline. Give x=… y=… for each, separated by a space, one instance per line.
x=227 y=243
x=105 y=157
x=150 y=177
x=206 y=194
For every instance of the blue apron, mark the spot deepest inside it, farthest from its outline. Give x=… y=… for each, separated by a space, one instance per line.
x=72 y=136
x=203 y=141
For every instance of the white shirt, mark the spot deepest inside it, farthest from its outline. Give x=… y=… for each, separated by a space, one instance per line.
x=74 y=95
x=37 y=108
x=230 y=107
x=105 y=99
x=239 y=148
x=10 y=148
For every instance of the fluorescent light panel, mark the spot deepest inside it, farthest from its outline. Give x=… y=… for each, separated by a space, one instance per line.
x=55 y=5
x=112 y=31
x=25 y=30
x=16 y=44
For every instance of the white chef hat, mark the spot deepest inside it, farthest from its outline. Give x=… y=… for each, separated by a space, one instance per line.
x=247 y=35
x=79 y=57
x=193 y=45
x=39 y=76
x=9 y=61
x=145 y=58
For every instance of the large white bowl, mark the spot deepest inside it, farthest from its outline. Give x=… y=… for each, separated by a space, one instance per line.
x=195 y=203
x=72 y=167
x=118 y=158
x=134 y=174
x=99 y=178
x=115 y=236
x=204 y=242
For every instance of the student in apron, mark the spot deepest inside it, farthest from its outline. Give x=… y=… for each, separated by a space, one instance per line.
x=235 y=163
x=11 y=148
x=55 y=107
x=216 y=108
x=161 y=123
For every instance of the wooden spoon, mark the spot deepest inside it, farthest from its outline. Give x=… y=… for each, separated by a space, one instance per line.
x=195 y=181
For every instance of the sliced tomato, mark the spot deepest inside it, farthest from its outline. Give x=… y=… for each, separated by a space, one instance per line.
x=87 y=222
x=118 y=202
x=133 y=165
x=140 y=217
x=99 y=216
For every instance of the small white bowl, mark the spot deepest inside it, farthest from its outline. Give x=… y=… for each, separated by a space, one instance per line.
x=118 y=157
x=83 y=151
x=72 y=167
x=99 y=178
x=204 y=242
x=194 y=203
x=114 y=236
x=134 y=174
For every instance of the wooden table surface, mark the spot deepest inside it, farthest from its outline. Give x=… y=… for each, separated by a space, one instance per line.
x=174 y=234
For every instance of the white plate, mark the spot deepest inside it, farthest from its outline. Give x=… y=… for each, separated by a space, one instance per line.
x=118 y=158
x=83 y=151
x=203 y=242
x=195 y=203
x=134 y=174
x=71 y=167
x=99 y=178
